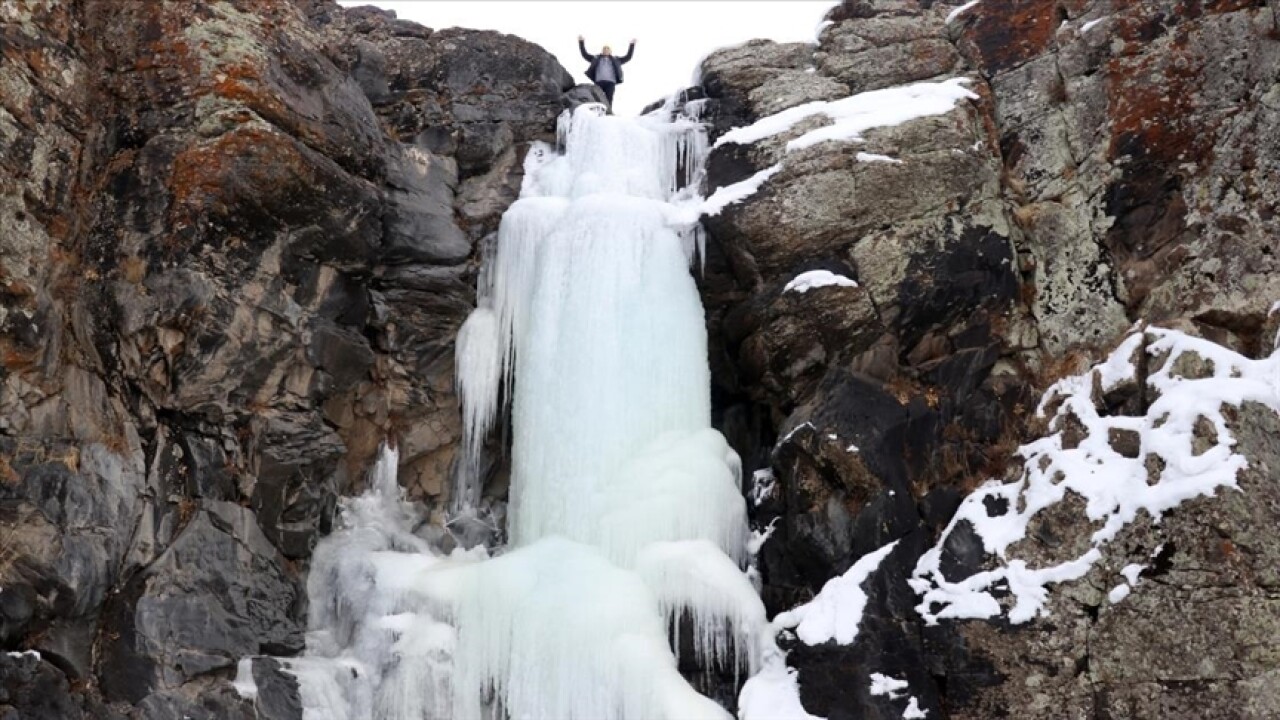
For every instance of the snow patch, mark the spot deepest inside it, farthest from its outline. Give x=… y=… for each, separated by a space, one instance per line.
x=1132 y=571
x=885 y=685
x=1114 y=488
x=1118 y=593
x=772 y=694
x=836 y=611
x=737 y=192
x=874 y=158
x=1087 y=26
x=795 y=430
x=960 y=11
x=806 y=281
x=852 y=116
x=913 y=711
x=817 y=31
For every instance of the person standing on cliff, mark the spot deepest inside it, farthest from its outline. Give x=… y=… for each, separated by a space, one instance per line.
x=606 y=68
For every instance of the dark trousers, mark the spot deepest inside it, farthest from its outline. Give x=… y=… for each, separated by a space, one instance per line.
x=607 y=87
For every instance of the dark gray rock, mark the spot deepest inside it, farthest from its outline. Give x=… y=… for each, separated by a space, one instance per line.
x=220 y=592
x=32 y=689
x=278 y=697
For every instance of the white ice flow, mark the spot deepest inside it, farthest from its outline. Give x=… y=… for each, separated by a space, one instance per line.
x=626 y=510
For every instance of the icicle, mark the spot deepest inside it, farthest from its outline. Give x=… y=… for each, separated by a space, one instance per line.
x=479 y=350
x=694 y=578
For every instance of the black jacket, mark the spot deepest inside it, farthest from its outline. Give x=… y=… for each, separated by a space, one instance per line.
x=595 y=61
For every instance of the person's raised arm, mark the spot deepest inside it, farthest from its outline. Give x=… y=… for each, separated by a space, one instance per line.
x=630 y=49
x=582 y=48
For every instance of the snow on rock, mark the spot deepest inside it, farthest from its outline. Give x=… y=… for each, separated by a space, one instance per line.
x=852 y=116
x=806 y=281
x=737 y=192
x=913 y=711
x=817 y=31
x=1131 y=575
x=885 y=685
x=874 y=158
x=1118 y=593
x=836 y=611
x=834 y=614
x=1114 y=486
x=1089 y=25
x=793 y=431
x=772 y=694
x=893 y=688
x=960 y=10
x=1132 y=571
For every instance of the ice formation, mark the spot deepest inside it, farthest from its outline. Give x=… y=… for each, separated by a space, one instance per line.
x=1115 y=488
x=627 y=521
x=773 y=693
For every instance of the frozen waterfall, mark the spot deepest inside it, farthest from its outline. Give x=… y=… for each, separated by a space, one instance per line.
x=626 y=514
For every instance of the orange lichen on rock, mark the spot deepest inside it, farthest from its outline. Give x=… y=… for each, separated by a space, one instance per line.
x=1007 y=33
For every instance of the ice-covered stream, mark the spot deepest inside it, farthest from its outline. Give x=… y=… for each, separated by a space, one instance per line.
x=626 y=511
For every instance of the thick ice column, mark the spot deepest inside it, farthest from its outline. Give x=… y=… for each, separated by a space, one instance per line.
x=626 y=512
x=621 y=496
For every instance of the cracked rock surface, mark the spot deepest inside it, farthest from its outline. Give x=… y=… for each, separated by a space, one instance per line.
x=1118 y=165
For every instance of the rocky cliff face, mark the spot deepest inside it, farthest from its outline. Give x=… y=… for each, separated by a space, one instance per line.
x=1118 y=164
x=237 y=240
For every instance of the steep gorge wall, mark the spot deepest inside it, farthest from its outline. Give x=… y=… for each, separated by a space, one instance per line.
x=1119 y=164
x=237 y=241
